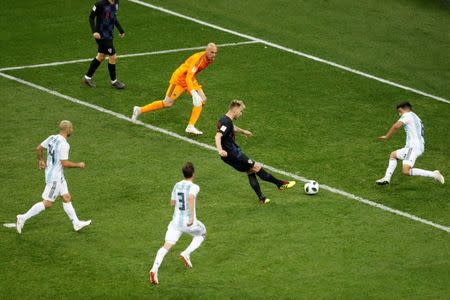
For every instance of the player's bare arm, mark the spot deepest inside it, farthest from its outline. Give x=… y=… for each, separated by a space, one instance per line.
x=218 y=139
x=391 y=131
x=183 y=199
x=40 y=155
x=69 y=164
x=244 y=132
x=191 y=203
x=413 y=149
x=55 y=183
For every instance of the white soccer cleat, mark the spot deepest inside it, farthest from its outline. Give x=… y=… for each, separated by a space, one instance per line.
x=20 y=223
x=191 y=129
x=439 y=177
x=136 y=113
x=153 y=277
x=383 y=181
x=186 y=260
x=81 y=224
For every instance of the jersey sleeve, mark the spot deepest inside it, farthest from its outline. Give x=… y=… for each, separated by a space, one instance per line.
x=64 y=151
x=191 y=71
x=44 y=144
x=404 y=119
x=119 y=27
x=98 y=6
x=174 y=194
x=194 y=190
x=223 y=127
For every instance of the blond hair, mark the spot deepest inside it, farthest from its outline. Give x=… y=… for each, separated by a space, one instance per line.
x=64 y=125
x=237 y=103
x=211 y=45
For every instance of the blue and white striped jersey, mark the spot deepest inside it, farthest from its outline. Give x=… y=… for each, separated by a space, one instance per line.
x=57 y=150
x=180 y=194
x=414 y=131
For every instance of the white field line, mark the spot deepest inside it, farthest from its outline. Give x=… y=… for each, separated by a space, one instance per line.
x=67 y=62
x=209 y=147
x=277 y=46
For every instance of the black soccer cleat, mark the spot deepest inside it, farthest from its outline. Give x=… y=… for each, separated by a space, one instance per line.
x=118 y=85
x=264 y=201
x=382 y=181
x=88 y=82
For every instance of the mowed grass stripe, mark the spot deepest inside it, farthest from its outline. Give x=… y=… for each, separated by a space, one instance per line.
x=209 y=147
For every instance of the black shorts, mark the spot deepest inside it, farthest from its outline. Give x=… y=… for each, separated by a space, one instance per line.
x=106 y=47
x=239 y=161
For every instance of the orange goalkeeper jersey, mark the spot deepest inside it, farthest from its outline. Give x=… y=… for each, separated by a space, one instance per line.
x=185 y=74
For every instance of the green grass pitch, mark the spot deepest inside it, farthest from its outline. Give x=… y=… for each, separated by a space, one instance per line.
x=307 y=118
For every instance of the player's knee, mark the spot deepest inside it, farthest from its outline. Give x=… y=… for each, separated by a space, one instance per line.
x=47 y=204
x=168 y=246
x=168 y=102
x=67 y=198
x=100 y=57
x=406 y=171
x=113 y=59
x=393 y=155
x=257 y=167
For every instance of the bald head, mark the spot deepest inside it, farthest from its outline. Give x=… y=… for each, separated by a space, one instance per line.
x=65 y=127
x=211 y=51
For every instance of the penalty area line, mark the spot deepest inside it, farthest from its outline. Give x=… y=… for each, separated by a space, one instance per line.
x=209 y=147
x=290 y=50
x=76 y=61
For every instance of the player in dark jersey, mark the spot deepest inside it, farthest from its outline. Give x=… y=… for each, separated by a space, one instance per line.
x=103 y=19
x=232 y=154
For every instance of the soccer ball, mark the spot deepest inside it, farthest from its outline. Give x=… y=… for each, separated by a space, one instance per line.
x=311 y=187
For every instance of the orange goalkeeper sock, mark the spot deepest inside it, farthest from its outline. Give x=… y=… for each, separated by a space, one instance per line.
x=196 y=112
x=152 y=106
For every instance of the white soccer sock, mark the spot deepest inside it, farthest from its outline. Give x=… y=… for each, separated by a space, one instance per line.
x=34 y=210
x=390 y=169
x=70 y=211
x=423 y=173
x=159 y=259
x=196 y=242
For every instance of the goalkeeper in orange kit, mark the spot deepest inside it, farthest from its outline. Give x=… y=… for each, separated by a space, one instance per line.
x=183 y=80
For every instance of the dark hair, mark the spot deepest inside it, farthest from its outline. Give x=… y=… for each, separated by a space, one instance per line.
x=188 y=170
x=405 y=104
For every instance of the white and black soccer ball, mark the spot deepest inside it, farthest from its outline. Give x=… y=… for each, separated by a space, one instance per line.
x=311 y=187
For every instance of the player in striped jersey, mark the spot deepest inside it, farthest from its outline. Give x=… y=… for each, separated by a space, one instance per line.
x=415 y=146
x=56 y=185
x=184 y=220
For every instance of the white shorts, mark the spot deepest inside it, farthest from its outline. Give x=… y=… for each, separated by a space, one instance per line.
x=408 y=155
x=54 y=189
x=174 y=233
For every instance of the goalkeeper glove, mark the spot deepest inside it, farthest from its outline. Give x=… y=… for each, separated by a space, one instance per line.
x=196 y=99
